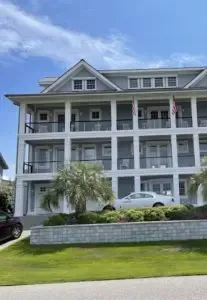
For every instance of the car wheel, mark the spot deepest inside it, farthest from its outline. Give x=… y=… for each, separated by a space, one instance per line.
x=109 y=207
x=158 y=204
x=16 y=231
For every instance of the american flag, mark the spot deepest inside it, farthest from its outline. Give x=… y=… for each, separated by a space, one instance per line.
x=133 y=107
x=174 y=108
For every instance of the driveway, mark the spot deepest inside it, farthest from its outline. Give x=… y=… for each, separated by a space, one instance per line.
x=170 y=288
x=25 y=234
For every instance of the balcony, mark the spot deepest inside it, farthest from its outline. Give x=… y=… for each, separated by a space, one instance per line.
x=125 y=163
x=34 y=167
x=160 y=162
x=44 y=127
x=105 y=162
x=124 y=124
x=186 y=160
x=154 y=123
x=202 y=121
x=184 y=122
x=102 y=125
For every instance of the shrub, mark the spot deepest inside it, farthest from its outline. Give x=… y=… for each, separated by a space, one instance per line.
x=133 y=215
x=112 y=217
x=178 y=212
x=154 y=214
x=88 y=218
x=60 y=219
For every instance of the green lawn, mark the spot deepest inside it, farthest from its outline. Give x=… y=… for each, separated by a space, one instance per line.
x=26 y=264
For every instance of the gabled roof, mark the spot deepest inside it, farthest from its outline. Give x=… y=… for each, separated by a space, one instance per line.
x=3 y=162
x=92 y=70
x=197 y=79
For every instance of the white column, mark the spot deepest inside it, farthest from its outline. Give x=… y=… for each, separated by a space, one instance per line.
x=174 y=151
x=22 y=117
x=194 y=112
x=20 y=156
x=114 y=153
x=67 y=150
x=172 y=116
x=136 y=152
x=65 y=208
x=137 y=184
x=176 y=193
x=196 y=147
x=114 y=183
x=67 y=115
x=113 y=115
x=135 y=116
x=19 y=198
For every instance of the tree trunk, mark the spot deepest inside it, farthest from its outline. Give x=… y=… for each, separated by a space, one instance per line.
x=80 y=207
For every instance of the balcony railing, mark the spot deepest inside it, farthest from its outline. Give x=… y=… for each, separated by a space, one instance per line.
x=42 y=166
x=44 y=127
x=186 y=160
x=160 y=162
x=202 y=121
x=102 y=125
x=104 y=162
x=124 y=124
x=184 y=122
x=154 y=123
x=125 y=163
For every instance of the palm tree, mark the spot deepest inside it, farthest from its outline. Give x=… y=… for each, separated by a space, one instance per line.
x=79 y=183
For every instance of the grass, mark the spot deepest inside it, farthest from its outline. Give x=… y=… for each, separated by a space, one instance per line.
x=22 y=263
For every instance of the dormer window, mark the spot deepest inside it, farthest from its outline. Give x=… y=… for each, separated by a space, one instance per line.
x=172 y=81
x=77 y=84
x=90 y=84
x=146 y=82
x=133 y=83
x=158 y=82
x=84 y=84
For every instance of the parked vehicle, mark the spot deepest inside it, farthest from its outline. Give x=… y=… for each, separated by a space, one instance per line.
x=141 y=199
x=10 y=227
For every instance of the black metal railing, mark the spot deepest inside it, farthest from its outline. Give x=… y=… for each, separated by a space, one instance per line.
x=156 y=162
x=44 y=127
x=104 y=162
x=32 y=167
x=154 y=123
x=125 y=163
x=184 y=122
x=202 y=121
x=102 y=125
x=124 y=124
x=186 y=160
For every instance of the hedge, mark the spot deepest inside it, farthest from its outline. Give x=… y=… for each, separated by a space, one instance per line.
x=178 y=212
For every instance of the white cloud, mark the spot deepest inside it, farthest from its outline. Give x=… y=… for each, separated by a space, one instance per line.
x=23 y=35
x=10 y=173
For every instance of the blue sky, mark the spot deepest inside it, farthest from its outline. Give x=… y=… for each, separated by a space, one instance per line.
x=43 y=37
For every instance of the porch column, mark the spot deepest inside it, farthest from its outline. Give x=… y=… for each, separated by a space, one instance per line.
x=22 y=117
x=194 y=112
x=137 y=184
x=67 y=115
x=176 y=193
x=114 y=153
x=135 y=114
x=113 y=115
x=115 y=186
x=65 y=208
x=19 y=198
x=174 y=151
x=136 y=152
x=20 y=156
x=172 y=116
x=67 y=150
x=196 y=147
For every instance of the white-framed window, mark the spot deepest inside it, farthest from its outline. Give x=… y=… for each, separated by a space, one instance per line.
x=84 y=84
x=182 y=188
x=106 y=150
x=42 y=157
x=158 y=81
x=43 y=116
x=182 y=146
x=133 y=83
x=43 y=189
x=172 y=81
x=95 y=114
x=140 y=113
x=147 y=82
x=78 y=84
x=90 y=84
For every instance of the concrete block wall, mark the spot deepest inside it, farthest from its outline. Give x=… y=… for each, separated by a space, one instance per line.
x=120 y=233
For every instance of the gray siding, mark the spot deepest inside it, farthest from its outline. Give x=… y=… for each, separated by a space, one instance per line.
x=120 y=81
x=84 y=111
x=202 y=108
x=125 y=186
x=185 y=79
x=202 y=83
x=124 y=111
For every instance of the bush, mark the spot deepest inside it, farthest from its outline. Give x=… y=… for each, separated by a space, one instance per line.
x=88 y=218
x=178 y=212
x=133 y=215
x=112 y=217
x=154 y=214
x=60 y=219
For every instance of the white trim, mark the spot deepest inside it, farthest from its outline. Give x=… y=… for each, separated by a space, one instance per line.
x=138 y=82
x=95 y=110
x=81 y=63
x=158 y=143
x=46 y=165
x=187 y=147
x=171 y=87
x=43 y=112
x=166 y=70
x=84 y=83
x=103 y=149
x=195 y=80
x=89 y=146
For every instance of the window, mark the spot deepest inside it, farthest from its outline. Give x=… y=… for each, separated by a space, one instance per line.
x=43 y=117
x=156 y=188
x=154 y=115
x=203 y=147
x=42 y=189
x=159 y=82
x=95 y=115
x=172 y=82
x=183 y=146
x=77 y=84
x=106 y=150
x=141 y=150
x=133 y=83
x=140 y=113
x=91 y=84
x=182 y=188
x=43 y=157
x=146 y=82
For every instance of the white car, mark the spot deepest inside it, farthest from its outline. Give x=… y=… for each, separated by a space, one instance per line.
x=141 y=199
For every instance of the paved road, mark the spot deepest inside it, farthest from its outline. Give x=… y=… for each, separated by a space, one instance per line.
x=8 y=243
x=174 y=288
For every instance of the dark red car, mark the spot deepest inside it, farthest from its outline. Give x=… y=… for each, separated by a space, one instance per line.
x=10 y=227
